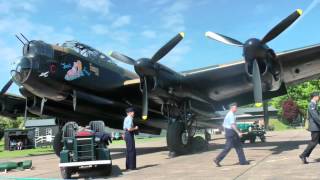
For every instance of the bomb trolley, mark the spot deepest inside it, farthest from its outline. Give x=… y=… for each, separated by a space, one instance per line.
x=84 y=148
x=251 y=131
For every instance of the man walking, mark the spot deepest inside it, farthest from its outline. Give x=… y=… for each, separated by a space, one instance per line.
x=314 y=127
x=232 y=135
x=129 y=138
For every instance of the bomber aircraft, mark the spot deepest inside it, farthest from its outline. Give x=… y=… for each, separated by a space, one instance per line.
x=75 y=82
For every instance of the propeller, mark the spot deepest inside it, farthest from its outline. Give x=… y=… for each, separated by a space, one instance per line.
x=145 y=100
x=256 y=79
x=145 y=67
x=6 y=87
x=254 y=49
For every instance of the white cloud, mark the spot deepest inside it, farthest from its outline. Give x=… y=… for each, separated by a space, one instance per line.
x=149 y=34
x=98 y=6
x=121 y=21
x=8 y=7
x=174 y=57
x=173 y=15
x=100 y=29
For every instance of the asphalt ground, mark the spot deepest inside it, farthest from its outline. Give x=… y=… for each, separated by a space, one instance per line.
x=275 y=159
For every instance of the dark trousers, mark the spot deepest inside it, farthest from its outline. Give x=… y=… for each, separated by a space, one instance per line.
x=130 y=151
x=315 y=137
x=232 y=141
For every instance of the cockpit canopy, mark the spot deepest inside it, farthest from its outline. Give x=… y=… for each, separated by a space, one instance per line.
x=86 y=51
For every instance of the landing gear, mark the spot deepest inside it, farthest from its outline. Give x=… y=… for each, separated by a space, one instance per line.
x=178 y=139
x=180 y=129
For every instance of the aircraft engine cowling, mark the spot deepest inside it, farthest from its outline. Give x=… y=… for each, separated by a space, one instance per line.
x=149 y=67
x=259 y=58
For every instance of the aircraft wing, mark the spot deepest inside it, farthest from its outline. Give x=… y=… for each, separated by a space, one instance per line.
x=230 y=82
x=12 y=105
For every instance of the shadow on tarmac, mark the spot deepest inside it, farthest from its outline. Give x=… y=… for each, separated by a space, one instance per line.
x=280 y=146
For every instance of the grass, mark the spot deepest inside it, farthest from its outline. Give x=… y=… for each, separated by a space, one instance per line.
x=49 y=150
x=278 y=125
x=23 y=153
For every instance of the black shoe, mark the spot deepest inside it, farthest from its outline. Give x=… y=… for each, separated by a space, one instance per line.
x=245 y=163
x=303 y=159
x=217 y=163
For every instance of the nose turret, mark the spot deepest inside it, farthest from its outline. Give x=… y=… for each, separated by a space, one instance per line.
x=22 y=71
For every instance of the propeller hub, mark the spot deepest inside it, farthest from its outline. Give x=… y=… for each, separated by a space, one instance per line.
x=144 y=67
x=254 y=49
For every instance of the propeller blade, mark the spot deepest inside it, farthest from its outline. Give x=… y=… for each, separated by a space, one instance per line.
x=256 y=80
x=26 y=111
x=167 y=47
x=284 y=24
x=145 y=100
x=122 y=58
x=223 y=39
x=6 y=87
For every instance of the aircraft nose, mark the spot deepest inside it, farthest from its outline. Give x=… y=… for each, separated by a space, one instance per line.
x=22 y=71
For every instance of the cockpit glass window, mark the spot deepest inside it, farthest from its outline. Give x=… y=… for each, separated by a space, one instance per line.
x=86 y=51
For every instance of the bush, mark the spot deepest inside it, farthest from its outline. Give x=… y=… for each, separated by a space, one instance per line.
x=290 y=110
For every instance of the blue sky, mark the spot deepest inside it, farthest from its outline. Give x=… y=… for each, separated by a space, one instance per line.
x=138 y=28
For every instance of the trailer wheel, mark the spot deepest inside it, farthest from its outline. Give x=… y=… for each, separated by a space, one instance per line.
x=106 y=169
x=57 y=144
x=252 y=139
x=66 y=172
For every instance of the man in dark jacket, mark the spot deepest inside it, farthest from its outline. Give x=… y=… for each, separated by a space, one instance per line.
x=314 y=127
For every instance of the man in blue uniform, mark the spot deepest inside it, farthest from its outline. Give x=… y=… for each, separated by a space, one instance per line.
x=129 y=138
x=314 y=127
x=232 y=135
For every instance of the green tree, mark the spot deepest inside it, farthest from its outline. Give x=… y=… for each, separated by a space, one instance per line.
x=11 y=123
x=299 y=93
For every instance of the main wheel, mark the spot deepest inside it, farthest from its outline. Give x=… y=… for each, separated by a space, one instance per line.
x=57 y=144
x=66 y=172
x=178 y=140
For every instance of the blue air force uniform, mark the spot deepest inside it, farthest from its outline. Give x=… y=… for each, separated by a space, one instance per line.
x=130 y=143
x=232 y=140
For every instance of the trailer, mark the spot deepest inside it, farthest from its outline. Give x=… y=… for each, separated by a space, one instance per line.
x=85 y=148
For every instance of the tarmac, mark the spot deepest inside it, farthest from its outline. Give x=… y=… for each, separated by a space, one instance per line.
x=275 y=159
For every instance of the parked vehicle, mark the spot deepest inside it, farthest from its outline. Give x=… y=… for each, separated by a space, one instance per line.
x=251 y=131
x=85 y=147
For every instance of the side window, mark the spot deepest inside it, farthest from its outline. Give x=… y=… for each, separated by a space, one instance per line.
x=36 y=131
x=48 y=131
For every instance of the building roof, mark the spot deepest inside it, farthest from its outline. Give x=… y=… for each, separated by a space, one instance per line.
x=40 y=122
x=250 y=110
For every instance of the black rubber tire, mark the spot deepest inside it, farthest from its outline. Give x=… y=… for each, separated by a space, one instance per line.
x=174 y=140
x=252 y=139
x=66 y=172
x=207 y=136
x=57 y=144
x=106 y=169
x=263 y=138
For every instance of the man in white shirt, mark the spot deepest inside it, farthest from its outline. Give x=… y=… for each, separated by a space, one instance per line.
x=129 y=138
x=232 y=135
